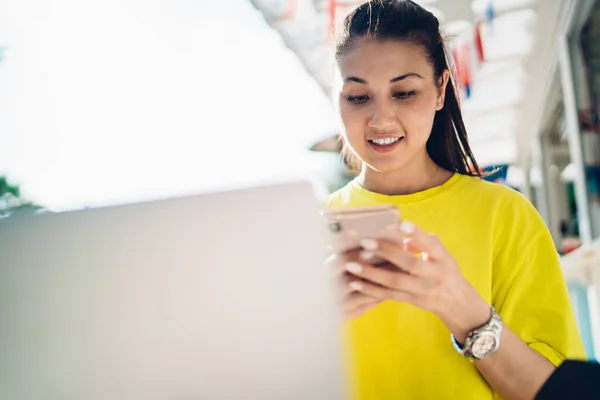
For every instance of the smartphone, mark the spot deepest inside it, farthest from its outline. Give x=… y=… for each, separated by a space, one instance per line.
x=348 y=227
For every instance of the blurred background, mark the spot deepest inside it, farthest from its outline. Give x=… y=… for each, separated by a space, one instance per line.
x=113 y=101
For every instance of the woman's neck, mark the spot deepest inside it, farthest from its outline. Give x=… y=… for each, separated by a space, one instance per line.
x=417 y=176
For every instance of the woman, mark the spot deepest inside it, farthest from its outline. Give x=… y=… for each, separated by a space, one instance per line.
x=428 y=325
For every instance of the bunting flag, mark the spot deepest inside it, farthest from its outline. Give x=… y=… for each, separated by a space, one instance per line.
x=462 y=61
x=479 y=43
x=332 y=5
x=490 y=13
x=292 y=7
x=456 y=68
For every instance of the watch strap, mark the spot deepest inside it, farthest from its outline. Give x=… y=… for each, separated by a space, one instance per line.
x=493 y=324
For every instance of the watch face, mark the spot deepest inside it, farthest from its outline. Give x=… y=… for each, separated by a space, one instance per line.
x=483 y=345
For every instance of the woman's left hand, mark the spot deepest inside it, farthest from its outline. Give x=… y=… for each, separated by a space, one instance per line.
x=432 y=281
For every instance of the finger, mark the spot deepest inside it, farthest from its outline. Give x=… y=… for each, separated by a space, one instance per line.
x=336 y=262
x=395 y=280
x=419 y=241
x=382 y=293
x=357 y=300
x=346 y=285
x=396 y=255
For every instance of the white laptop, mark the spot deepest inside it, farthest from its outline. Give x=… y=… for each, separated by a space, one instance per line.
x=218 y=296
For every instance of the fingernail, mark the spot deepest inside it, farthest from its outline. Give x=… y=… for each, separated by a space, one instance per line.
x=355 y=286
x=407 y=228
x=366 y=255
x=369 y=244
x=354 y=268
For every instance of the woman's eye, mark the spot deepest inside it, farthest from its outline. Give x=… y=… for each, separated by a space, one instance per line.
x=404 y=95
x=357 y=99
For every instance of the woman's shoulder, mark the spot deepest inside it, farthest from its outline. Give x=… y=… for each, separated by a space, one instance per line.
x=342 y=197
x=490 y=194
x=511 y=212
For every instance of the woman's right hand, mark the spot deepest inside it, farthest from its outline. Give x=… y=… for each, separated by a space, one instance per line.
x=353 y=303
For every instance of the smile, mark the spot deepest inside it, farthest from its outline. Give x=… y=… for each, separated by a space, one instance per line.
x=384 y=145
x=385 y=141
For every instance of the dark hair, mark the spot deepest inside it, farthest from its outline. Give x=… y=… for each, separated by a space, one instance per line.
x=406 y=21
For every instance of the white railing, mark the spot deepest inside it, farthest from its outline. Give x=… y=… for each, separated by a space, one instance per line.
x=582 y=273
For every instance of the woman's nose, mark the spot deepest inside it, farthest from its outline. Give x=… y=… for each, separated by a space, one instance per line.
x=383 y=115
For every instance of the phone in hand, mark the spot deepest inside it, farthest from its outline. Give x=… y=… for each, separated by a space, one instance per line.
x=347 y=227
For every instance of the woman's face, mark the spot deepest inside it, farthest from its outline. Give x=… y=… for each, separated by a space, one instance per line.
x=388 y=100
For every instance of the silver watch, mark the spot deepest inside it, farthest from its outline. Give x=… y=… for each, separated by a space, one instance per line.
x=482 y=342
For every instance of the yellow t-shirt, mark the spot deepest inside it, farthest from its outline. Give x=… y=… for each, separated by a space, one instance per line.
x=397 y=351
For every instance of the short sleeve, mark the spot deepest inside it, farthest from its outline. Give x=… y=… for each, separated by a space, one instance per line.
x=535 y=303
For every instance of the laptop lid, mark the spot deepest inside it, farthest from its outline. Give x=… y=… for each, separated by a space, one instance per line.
x=216 y=296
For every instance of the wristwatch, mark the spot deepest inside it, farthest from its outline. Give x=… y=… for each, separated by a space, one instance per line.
x=482 y=342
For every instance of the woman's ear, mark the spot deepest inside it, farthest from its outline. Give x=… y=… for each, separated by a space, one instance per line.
x=442 y=90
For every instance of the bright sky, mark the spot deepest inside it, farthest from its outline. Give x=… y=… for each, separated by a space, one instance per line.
x=120 y=100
